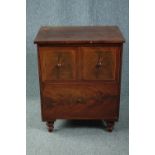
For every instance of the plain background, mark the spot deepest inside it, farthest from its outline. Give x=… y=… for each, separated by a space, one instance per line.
x=13 y=77
x=74 y=12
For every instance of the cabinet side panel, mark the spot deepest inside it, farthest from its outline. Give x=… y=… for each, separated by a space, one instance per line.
x=119 y=76
x=40 y=80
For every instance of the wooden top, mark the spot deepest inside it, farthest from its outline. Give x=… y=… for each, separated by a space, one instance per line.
x=79 y=34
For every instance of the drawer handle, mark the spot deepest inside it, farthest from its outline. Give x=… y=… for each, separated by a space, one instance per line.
x=59 y=64
x=80 y=100
x=99 y=62
x=99 y=66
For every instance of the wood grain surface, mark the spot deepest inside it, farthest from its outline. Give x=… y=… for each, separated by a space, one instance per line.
x=79 y=34
x=80 y=101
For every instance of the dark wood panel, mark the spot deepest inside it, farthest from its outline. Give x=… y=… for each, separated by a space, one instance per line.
x=99 y=63
x=89 y=110
x=79 y=101
x=58 y=63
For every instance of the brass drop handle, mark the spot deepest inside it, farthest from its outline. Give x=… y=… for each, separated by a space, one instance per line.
x=100 y=62
x=59 y=64
x=80 y=100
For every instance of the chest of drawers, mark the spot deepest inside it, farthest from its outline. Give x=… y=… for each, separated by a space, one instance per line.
x=80 y=73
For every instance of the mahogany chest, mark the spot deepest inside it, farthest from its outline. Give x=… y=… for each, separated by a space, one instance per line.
x=80 y=73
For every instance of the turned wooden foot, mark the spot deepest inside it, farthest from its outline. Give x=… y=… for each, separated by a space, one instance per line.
x=50 y=125
x=110 y=125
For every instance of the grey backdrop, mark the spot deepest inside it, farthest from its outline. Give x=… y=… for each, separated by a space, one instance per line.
x=70 y=140
x=73 y=12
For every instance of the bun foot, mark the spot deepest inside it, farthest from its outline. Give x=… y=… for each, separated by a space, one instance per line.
x=50 y=125
x=110 y=125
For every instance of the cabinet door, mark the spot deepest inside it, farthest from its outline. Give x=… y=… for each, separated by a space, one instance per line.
x=99 y=63
x=57 y=63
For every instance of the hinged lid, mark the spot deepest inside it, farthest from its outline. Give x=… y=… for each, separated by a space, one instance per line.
x=79 y=35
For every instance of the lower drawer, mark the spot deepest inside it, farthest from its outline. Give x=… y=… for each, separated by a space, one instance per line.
x=79 y=101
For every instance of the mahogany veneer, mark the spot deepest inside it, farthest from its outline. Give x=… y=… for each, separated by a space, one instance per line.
x=80 y=73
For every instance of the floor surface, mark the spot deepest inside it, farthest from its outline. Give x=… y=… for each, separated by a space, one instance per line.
x=76 y=137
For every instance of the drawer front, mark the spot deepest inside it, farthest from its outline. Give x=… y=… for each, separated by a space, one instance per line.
x=57 y=63
x=79 y=101
x=99 y=63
